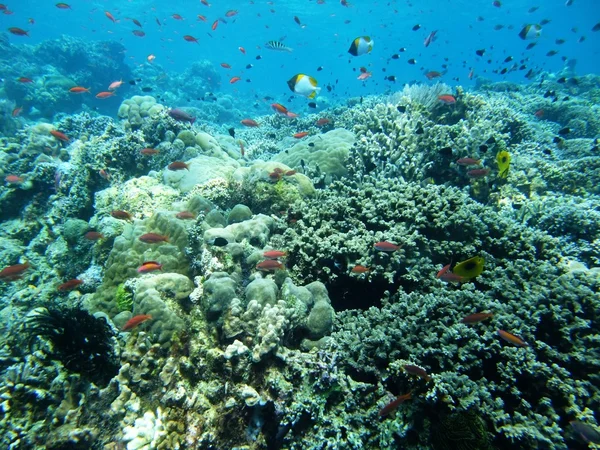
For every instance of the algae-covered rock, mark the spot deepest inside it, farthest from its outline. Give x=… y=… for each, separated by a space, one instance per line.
x=239 y=213
x=328 y=151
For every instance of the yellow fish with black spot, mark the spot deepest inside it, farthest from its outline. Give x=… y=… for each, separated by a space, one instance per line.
x=470 y=268
x=304 y=85
x=361 y=45
x=503 y=161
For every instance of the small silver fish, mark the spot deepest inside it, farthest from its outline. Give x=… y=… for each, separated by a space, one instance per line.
x=277 y=46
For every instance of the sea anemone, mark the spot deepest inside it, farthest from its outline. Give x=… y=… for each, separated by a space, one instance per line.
x=82 y=342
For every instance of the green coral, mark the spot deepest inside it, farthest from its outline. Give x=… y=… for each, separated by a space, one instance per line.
x=463 y=430
x=123 y=298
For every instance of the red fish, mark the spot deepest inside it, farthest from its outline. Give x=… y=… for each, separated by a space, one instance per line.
x=385 y=246
x=153 y=238
x=468 y=162
x=478 y=173
x=416 y=370
x=119 y=214
x=476 y=317
x=24 y=80
x=135 y=321
x=301 y=135
x=149 y=151
x=225 y=66
x=202 y=18
x=539 y=113
x=110 y=16
x=13 y=179
x=274 y=254
x=178 y=165
x=447 y=99
x=18 y=31
x=215 y=25
x=231 y=13
x=433 y=74
x=69 y=285
x=185 y=215
x=79 y=90
x=249 y=123
x=322 y=122
x=393 y=405
x=269 y=265
x=234 y=80
x=242 y=49
x=451 y=277
x=17 y=111
x=15 y=272
x=138 y=33
x=62 y=6
x=511 y=338
x=177 y=17
x=189 y=38
x=364 y=76
x=360 y=269
x=149 y=266
x=106 y=94
x=60 y=136
x=93 y=236
x=443 y=270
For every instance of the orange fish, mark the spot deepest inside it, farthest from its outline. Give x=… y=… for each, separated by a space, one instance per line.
x=149 y=266
x=385 y=246
x=225 y=66
x=62 y=6
x=300 y=135
x=468 y=161
x=15 y=272
x=279 y=108
x=390 y=407
x=202 y=18
x=274 y=254
x=451 y=277
x=190 y=38
x=364 y=76
x=60 y=136
x=234 y=80
x=478 y=173
x=231 y=13
x=516 y=340
x=447 y=99
x=269 y=265
x=79 y=90
x=433 y=74
x=115 y=85
x=110 y=16
x=24 y=80
x=242 y=49
x=14 y=179
x=105 y=94
x=360 y=269
x=153 y=238
x=17 y=111
x=322 y=122
x=69 y=285
x=249 y=123
x=149 y=151
x=539 y=113
x=177 y=17
x=477 y=317
x=135 y=321
x=215 y=25
x=443 y=270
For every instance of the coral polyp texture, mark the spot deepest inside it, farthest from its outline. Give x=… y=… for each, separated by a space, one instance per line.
x=190 y=261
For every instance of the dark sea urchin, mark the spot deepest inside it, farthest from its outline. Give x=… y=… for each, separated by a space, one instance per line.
x=82 y=342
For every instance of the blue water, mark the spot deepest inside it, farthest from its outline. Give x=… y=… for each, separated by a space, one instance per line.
x=323 y=39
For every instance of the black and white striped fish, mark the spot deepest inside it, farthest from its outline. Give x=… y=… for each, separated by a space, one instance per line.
x=278 y=46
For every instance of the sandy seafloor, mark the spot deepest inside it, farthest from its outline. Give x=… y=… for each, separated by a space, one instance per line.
x=304 y=351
